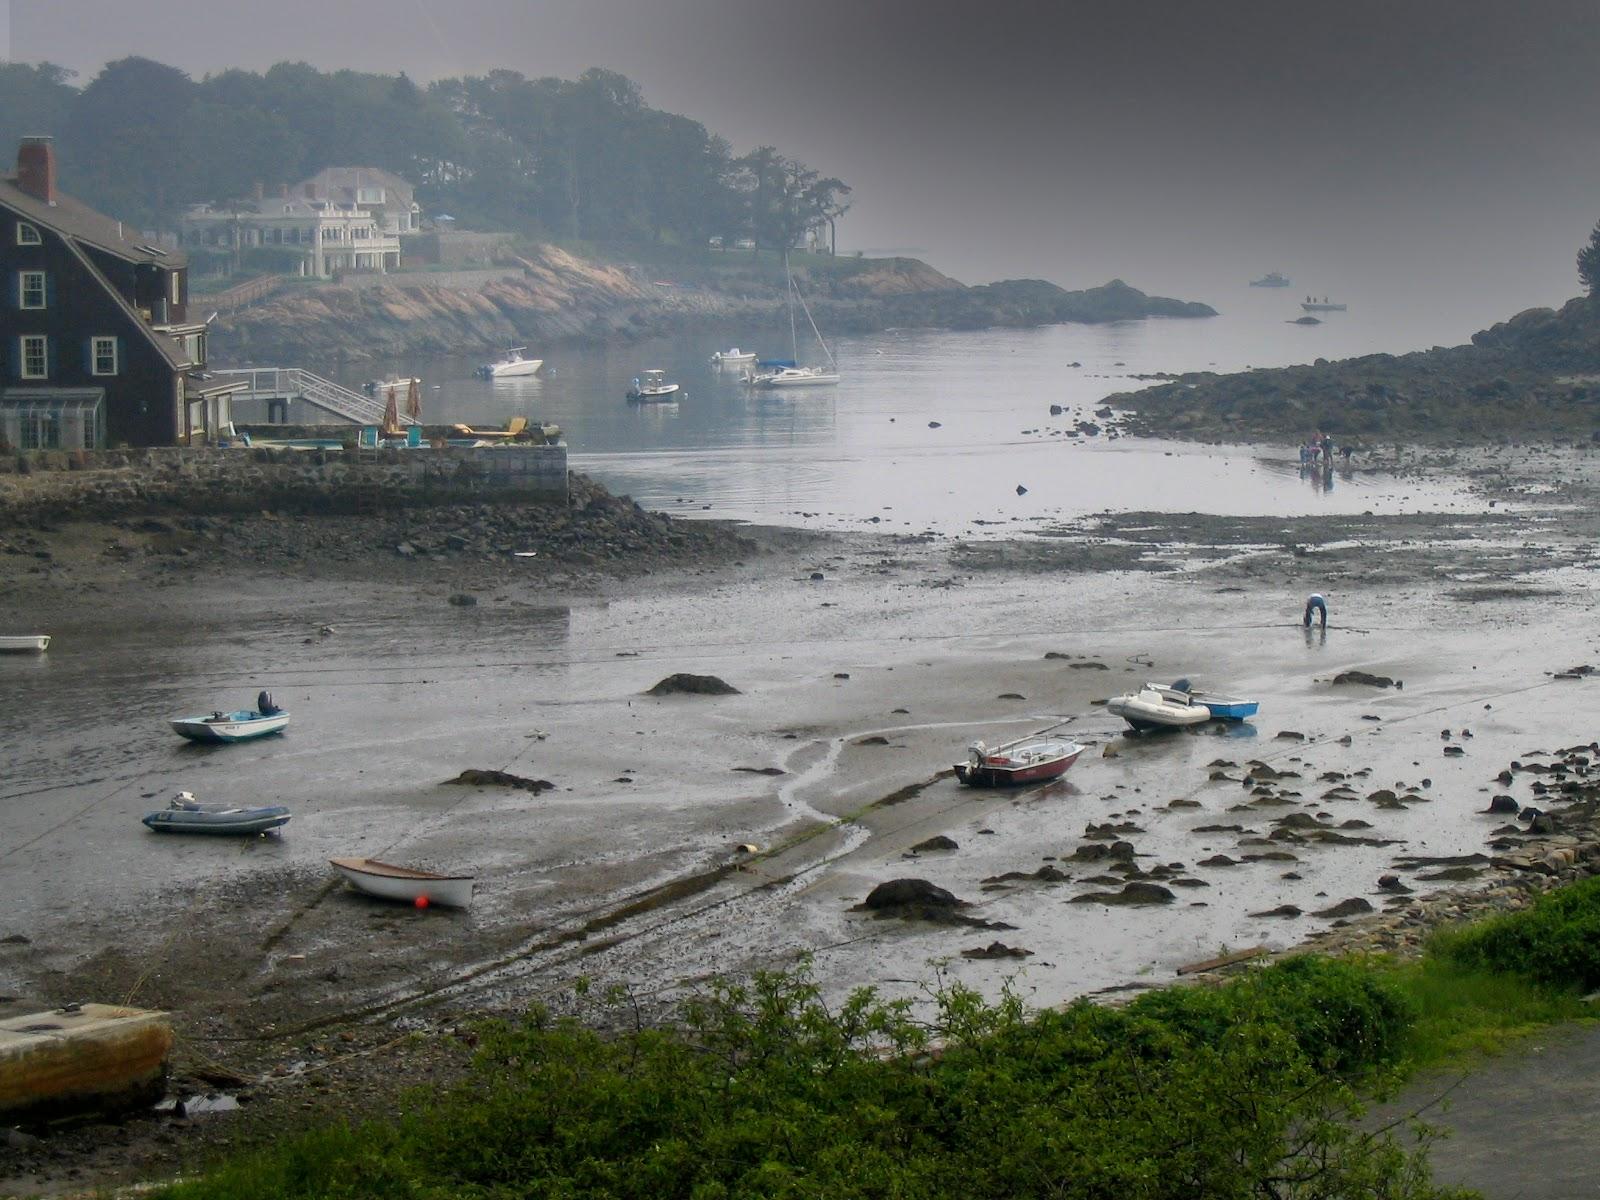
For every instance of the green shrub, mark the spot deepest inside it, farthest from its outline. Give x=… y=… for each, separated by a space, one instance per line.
x=1555 y=943
x=1340 y=1014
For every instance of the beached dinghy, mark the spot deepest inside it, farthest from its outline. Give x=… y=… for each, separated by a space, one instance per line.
x=186 y=815
x=1222 y=708
x=28 y=643
x=1151 y=709
x=404 y=883
x=1031 y=759
x=266 y=717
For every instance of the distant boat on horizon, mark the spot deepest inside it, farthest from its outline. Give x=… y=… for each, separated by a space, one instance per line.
x=1271 y=279
x=1312 y=305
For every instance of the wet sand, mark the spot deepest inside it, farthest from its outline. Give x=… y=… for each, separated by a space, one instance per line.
x=628 y=870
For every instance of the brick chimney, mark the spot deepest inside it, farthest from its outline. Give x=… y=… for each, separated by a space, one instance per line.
x=36 y=168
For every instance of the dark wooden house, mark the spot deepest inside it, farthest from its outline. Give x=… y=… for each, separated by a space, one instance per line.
x=96 y=348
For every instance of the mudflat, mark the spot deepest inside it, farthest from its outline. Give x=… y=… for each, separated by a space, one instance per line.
x=862 y=667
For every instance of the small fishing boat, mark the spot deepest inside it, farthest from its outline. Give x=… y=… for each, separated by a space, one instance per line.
x=1152 y=709
x=29 y=643
x=392 y=882
x=1030 y=759
x=513 y=362
x=1323 y=305
x=733 y=358
x=1272 y=279
x=186 y=815
x=266 y=717
x=1222 y=708
x=651 y=386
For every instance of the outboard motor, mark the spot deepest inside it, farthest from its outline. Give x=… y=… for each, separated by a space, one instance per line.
x=1181 y=685
x=264 y=704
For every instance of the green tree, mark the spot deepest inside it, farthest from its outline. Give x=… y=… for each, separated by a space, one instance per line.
x=1589 y=263
x=34 y=100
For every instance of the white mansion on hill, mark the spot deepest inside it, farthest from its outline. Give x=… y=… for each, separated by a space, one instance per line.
x=341 y=219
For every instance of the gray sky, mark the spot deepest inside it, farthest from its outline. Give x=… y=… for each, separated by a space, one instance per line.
x=1434 y=145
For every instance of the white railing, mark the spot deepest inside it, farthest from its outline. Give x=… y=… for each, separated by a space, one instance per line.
x=289 y=383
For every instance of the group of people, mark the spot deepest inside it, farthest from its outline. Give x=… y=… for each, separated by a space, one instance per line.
x=1318 y=449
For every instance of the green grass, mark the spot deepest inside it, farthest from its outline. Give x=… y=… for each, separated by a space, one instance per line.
x=1459 y=1013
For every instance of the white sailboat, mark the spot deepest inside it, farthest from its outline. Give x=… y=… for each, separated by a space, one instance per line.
x=790 y=375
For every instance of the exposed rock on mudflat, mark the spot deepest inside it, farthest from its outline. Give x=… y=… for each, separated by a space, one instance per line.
x=473 y=777
x=693 y=685
x=1131 y=893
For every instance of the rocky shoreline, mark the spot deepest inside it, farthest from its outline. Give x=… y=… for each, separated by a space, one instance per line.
x=549 y=297
x=1536 y=375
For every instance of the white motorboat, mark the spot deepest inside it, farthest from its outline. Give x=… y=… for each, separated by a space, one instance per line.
x=266 y=717
x=651 y=386
x=29 y=643
x=789 y=374
x=392 y=882
x=1323 y=305
x=733 y=358
x=512 y=362
x=1152 y=709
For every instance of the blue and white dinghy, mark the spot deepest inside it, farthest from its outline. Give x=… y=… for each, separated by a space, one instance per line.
x=186 y=815
x=266 y=717
x=1222 y=708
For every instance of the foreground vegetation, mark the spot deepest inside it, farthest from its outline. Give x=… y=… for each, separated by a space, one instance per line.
x=1251 y=1089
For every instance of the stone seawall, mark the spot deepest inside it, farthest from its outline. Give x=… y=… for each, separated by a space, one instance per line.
x=50 y=485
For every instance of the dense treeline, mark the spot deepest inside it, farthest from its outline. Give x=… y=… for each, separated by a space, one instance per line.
x=575 y=159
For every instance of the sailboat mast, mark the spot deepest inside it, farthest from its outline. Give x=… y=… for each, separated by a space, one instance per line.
x=788 y=281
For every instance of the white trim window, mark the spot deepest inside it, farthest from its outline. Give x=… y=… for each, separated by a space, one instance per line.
x=30 y=289
x=28 y=235
x=177 y=287
x=35 y=358
x=103 y=356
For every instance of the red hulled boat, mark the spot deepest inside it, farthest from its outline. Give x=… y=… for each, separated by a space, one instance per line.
x=1027 y=760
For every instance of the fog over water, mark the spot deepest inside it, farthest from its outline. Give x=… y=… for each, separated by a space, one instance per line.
x=1439 y=155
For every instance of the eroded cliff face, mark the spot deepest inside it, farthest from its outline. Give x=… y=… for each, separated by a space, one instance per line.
x=551 y=296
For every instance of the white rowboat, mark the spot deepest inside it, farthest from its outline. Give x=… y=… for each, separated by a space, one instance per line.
x=31 y=643
x=392 y=882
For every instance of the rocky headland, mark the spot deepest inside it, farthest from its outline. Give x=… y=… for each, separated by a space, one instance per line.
x=1535 y=375
x=547 y=296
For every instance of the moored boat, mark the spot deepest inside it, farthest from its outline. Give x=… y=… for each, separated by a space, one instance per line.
x=392 y=882
x=652 y=386
x=1323 y=305
x=513 y=362
x=787 y=377
x=1272 y=279
x=1151 y=709
x=186 y=815
x=1030 y=759
x=733 y=358
x=28 y=643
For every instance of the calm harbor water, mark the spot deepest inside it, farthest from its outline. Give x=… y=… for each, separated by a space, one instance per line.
x=930 y=429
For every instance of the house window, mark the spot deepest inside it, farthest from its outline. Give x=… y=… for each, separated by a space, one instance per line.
x=177 y=287
x=35 y=356
x=41 y=431
x=27 y=235
x=103 y=355
x=194 y=345
x=30 y=289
